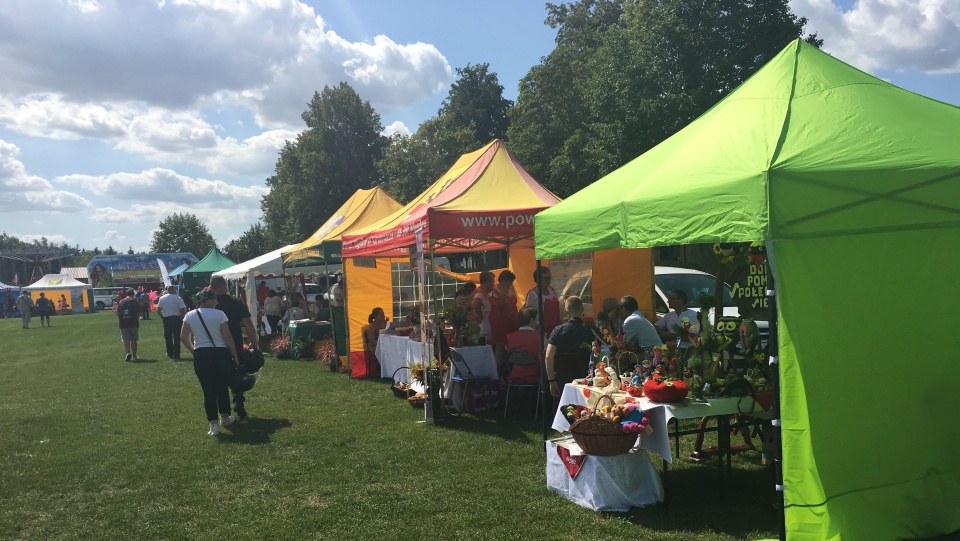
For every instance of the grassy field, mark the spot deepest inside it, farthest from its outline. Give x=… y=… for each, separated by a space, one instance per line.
x=92 y=447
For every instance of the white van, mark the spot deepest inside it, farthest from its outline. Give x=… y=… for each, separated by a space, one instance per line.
x=105 y=297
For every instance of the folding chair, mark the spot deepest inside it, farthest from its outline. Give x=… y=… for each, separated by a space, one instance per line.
x=463 y=376
x=521 y=358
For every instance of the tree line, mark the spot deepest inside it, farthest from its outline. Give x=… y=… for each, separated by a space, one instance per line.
x=624 y=75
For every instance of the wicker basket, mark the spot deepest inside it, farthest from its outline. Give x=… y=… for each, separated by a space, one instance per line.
x=602 y=437
x=398 y=392
x=417 y=401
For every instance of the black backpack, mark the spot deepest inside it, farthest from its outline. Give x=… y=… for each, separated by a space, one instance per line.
x=126 y=311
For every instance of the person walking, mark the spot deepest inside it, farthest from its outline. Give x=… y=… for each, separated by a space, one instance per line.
x=239 y=320
x=171 y=310
x=206 y=334
x=128 y=315
x=25 y=305
x=44 y=309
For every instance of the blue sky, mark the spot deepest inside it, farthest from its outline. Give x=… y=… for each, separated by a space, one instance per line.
x=116 y=113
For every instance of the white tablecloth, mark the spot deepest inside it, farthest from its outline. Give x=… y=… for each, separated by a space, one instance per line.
x=606 y=483
x=393 y=352
x=659 y=414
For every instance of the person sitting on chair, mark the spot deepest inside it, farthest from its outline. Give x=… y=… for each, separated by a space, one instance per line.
x=527 y=339
x=568 y=349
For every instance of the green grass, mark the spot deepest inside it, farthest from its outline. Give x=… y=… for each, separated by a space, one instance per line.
x=92 y=447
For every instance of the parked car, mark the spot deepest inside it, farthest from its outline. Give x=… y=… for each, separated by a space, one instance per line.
x=666 y=279
x=105 y=297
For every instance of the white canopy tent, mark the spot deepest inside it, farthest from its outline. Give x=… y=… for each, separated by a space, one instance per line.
x=75 y=289
x=268 y=265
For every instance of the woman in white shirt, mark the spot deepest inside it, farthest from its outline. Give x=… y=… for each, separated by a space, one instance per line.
x=207 y=336
x=273 y=306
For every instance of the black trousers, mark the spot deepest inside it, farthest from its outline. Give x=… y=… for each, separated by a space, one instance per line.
x=171 y=334
x=213 y=367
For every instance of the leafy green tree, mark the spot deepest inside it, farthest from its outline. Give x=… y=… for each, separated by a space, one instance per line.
x=409 y=166
x=111 y=251
x=329 y=161
x=473 y=114
x=625 y=75
x=252 y=243
x=180 y=233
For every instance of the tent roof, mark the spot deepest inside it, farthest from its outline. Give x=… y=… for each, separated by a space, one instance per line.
x=362 y=209
x=79 y=273
x=268 y=265
x=7 y=286
x=212 y=262
x=807 y=147
x=55 y=281
x=179 y=270
x=486 y=200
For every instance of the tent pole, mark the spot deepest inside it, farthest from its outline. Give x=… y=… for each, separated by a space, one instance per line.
x=544 y=386
x=438 y=328
x=773 y=348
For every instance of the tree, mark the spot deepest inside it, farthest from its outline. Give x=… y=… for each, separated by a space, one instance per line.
x=473 y=114
x=409 y=167
x=251 y=244
x=130 y=250
x=110 y=250
x=625 y=75
x=182 y=233
x=330 y=160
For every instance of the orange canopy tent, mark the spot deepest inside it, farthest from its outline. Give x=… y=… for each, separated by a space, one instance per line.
x=486 y=201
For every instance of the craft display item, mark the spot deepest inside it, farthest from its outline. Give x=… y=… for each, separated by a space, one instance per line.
x=661 y=388
x=574 y=412
x=599 y=435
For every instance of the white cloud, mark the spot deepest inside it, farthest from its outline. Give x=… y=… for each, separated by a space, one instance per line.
x=898 y=35
x=161 y=135
x=22 y=192
x=212 y=216
x=113 y=236
x=397 y=127
x=52 y=239
x=168 y=186
x=271 y=54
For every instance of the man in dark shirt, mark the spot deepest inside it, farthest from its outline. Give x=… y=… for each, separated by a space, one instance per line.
x=238 y=320
x=568 y=349
x=128 y=315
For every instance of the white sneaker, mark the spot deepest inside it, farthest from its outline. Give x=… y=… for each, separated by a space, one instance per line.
x=227 y=421
x=214 y=430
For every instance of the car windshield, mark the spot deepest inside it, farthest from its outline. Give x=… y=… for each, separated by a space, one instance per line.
x=694 y=284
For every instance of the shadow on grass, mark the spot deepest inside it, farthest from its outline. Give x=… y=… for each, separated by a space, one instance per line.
x=141 y=360
x=253 y=431
x=697 y=501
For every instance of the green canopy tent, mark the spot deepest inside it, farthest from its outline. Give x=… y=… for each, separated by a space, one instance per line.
x=854 y=184
x=198 y=276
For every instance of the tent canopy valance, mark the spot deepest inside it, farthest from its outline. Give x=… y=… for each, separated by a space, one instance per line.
x=56 y=281
x=853 y=184
x=485 y=201
x=362 y=209
x=267 y=265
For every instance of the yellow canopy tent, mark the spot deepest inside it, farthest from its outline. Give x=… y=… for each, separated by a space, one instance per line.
x=362 y=209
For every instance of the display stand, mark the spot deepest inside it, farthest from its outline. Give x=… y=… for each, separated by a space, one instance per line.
x=606 y=483
x=309 y=330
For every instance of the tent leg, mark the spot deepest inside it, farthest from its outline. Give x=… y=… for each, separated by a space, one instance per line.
x=544 y=385
x=773 y=348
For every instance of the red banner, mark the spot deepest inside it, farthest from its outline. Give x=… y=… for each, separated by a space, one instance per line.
x=573 y=463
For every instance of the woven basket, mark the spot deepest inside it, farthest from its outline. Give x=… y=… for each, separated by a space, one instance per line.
x=398 y=392
x=417 y=401
x=602 y=437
